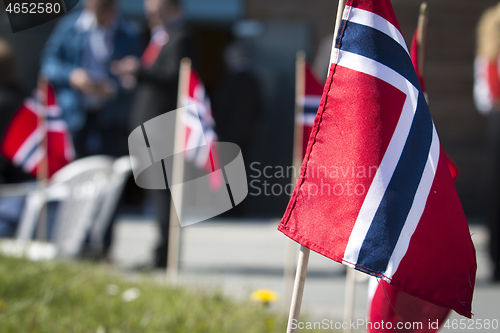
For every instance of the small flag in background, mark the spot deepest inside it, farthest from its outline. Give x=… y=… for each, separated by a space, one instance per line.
x=202 y=158
x=310 y=102
x=414 y=51
x=375 y=192
x=22 y=143
x=414 y=59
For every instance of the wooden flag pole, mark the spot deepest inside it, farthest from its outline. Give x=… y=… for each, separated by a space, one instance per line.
x=300 y=276
x=423 y=23
x=177 y=178
x=350 y=285
x=298 y=289
x=300 y=82
x=340 y=12
x=42 y=172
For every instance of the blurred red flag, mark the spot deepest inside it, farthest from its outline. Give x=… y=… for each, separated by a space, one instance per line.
x=207 y=159
x=310 y=103
x=38 y=117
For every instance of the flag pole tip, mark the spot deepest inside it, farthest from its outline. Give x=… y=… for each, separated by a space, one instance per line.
x=185 y=62
x=423 y=8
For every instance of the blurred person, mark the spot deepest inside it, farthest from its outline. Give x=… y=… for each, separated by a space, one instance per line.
x=237 y=105
x=487 y=100
x=76 y=60
x=157 y=77
x=11 y=98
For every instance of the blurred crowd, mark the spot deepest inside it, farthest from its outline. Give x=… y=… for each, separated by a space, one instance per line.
x=108 y=81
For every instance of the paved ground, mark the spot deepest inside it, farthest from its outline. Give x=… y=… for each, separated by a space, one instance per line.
x=243 y=255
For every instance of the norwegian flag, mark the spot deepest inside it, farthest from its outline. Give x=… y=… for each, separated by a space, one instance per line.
x=375 y=192
x=310 y=103
x=202 y=158
x=22 y=143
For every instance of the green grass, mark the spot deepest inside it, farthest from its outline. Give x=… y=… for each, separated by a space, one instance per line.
x=72 y=297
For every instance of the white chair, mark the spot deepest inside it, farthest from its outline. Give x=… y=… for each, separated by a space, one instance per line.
x=110 y=198
x=78 y=187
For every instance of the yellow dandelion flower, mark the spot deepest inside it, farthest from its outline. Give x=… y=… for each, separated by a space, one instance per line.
x=264 y=295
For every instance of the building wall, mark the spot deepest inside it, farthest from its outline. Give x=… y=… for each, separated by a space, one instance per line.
x=449 y=75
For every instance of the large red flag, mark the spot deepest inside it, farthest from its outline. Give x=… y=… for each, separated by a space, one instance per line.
x=22 y=142
x=375 y=192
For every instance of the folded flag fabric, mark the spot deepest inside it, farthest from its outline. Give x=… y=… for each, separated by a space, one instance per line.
x=203 y=158
x=375 y=192
x=391 y=305
x=310 y=103
x=22 y=142
x=400 y=311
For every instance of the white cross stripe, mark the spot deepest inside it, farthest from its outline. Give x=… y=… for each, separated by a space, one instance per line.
x=389 y=162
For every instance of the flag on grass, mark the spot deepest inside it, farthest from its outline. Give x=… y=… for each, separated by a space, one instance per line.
x=375 y=192
x=310 y=103
x=22 y=143
x=203 y=158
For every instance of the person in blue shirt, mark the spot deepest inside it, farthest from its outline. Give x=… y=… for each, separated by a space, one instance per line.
x=77 y=60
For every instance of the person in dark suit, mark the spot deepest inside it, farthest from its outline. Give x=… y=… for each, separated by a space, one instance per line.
x=237 y=106
x=157 y=77
x=486 y=98
x=76 y=60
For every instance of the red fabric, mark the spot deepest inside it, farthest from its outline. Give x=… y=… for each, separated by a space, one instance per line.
x=390 y=305
x=22 y=124
x=344 y=136
x=493 y=81
x=440 y=253
x=149 y=56
x=454 y=170
x=313 y=88
x=381 y=8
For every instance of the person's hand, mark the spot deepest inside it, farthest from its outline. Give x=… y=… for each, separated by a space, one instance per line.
x=126 y=66
x=105 y=89
x=80 y=80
